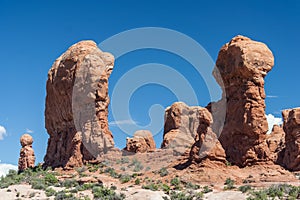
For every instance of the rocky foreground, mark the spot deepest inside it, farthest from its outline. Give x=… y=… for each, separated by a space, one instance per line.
x=219 y=151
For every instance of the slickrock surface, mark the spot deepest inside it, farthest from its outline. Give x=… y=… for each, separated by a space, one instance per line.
x=77 y=106
x=27 y=157
x=141 y=142
x=243 y=65
x=291 y=126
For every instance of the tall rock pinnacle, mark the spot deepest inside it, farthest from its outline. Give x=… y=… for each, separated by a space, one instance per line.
x=242 y=65
x=77 y=106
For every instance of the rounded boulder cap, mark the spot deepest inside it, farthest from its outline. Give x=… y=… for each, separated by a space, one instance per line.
x=26 y=140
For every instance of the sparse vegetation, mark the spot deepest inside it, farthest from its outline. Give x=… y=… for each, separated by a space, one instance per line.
x=137 y=181
x=104 y=193
x=68 y=183
x=206 y=189
x=190 y=185
x=282 y=191
x=228 y=163
x=163 y=172
x=123 y=160
x=229 y=184
x=125 y=178
x=112 y=172
x=137 y=165
x=50 y=192
x=151 y=186
x=244 y=188
x=175 y=182
x=189 y=195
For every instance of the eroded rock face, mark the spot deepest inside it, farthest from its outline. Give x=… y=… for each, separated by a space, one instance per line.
x=207 y=145
x=291 y=126
x=77 y=106
x=242 y=65
x=27 y=157
x=188 y=129
x=181 y=124
x=276 y=144
x=141 y=142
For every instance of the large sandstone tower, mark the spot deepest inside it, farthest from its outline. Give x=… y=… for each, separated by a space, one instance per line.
x=77 y=106
x=243 y=64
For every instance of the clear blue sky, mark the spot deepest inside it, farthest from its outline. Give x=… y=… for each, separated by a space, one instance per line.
x=34 y=33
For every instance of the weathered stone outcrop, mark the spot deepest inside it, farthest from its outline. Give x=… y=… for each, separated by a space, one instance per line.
x=27 y=157
x=276 y=144
x=207 y=145
x=180 y=128
x=291 y=126
x=240 y=70
x=188 y=129
x=141 y=142
x=77 y=106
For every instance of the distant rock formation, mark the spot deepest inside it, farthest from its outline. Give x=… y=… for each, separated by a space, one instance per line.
x=240 y=70
x=77 y=106
x=27 y=157
x=181 y=124
x=188 y=129
x=207 y=145
x=276 y=144
x=291 y=126
x=141 y=142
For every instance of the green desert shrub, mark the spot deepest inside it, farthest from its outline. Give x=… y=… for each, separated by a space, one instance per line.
x=69 y=183
x=206 y=189
x=229 y=184
x=244 y=188
x=163 y=172
x=112 y=172
x=189 y=195
x=137 y=181
x=190 y=185
x=50 y=179
x=104 y=193
x=151 y=186
x=63 y=195
x=50 y=192
x=175 y=181
x=125 y=178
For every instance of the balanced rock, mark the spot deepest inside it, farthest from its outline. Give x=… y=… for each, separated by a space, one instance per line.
x=77 y=106
x=240 y=70
x=27 y=157
x=141 y=142
x=291 y=126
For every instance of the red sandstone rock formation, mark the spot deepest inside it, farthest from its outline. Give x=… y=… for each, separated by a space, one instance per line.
x=77 y=106
x=291 y=126
x=189 y=129
x=241 y=67
x=141 y=142
x=276 y=144
x=27 y=157
x=181 y=124
x=207 y=145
